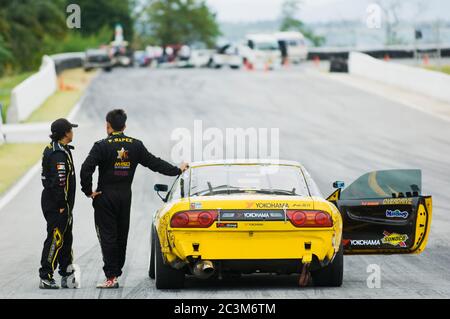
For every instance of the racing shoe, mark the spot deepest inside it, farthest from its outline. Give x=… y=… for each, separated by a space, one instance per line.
x=48 y=284
x=69 y=279
x=109 y=283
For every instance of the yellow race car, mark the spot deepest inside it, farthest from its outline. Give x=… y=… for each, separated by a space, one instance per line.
x=234 y=217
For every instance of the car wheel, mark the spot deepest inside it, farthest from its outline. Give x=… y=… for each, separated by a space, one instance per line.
x=151 y=267
x=166 y=276
x=108 y=69
x=331 y=275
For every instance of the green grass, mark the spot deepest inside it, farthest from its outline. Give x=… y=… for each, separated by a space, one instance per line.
x=16 y=160
x=444 y=69
x=7 y=83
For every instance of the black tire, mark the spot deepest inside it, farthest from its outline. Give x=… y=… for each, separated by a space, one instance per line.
x=331 y=275
x=166 y=276
x=107 y=69
x=151 y=267
x=338 y=65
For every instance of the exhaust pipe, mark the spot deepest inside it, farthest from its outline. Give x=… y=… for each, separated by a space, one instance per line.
x=203 y=269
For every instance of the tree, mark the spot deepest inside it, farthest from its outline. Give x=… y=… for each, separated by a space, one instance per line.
x=5 y=56
x=289 y=21
x=390 y=10
x=23 y=26
x=98 y=14
x=180 y=21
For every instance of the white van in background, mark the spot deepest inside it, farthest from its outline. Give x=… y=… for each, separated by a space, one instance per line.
x=263 y=51
x=295 y=45
x=228 y=55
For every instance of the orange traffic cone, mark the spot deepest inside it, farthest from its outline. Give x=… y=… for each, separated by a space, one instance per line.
x=387 y=58
x=248 y=65
x=316 y=60
x=61 y=84
x=426 y=59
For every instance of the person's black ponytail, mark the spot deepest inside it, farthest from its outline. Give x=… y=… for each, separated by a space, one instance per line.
x=55 y=137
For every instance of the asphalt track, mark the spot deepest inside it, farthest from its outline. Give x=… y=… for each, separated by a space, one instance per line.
x=336 y=131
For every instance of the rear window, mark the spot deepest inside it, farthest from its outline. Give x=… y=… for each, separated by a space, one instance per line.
x=234 y=179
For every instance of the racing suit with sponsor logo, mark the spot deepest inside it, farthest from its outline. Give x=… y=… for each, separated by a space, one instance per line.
x=117 y=157
x=58 y=179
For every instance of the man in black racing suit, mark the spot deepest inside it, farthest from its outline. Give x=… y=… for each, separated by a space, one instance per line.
x=117 y=157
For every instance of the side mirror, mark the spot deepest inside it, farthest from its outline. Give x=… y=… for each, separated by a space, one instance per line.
x=161 y=188
x=338 y=184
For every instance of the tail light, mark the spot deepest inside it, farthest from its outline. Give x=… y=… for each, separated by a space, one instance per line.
x=193 y=219
x=309 y=218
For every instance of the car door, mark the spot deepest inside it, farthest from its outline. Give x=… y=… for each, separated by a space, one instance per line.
x=384 y=212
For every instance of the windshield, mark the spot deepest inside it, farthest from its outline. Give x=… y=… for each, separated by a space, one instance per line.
x=266 y=46
x=383 y=184
x=261 y=179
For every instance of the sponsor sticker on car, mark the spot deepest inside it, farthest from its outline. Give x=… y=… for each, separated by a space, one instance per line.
x=397 y=201
x=252 y=215
x=396 y=214
x=272 y=205
x=364 y=242
x=196 y=205
x=227 y=225
x=394 y=239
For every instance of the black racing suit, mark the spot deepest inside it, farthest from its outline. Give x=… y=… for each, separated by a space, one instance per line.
x=117 y=157
x=58 y=179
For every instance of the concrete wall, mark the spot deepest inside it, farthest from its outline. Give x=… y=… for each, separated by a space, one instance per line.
x=415 y=79
x=31 y=93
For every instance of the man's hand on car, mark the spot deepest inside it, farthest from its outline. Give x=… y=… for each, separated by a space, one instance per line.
x=184 y=166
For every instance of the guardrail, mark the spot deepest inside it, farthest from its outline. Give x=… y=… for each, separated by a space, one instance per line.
x=395 y=52
x=65 y=61
x=430 y=83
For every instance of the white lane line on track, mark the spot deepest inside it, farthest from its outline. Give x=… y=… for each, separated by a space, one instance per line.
x=16 y=189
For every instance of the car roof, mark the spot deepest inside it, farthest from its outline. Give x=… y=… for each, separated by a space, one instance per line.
x=260 y=37
x=289 y=35
x=245 y=162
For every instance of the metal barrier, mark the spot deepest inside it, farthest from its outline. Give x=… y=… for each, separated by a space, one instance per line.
x=395 y=52
x=65 y=61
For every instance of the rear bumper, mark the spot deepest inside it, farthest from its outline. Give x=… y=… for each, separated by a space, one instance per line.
x=259 y=245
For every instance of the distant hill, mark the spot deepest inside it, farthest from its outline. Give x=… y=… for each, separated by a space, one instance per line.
x=423 y=10
x=343 y=23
